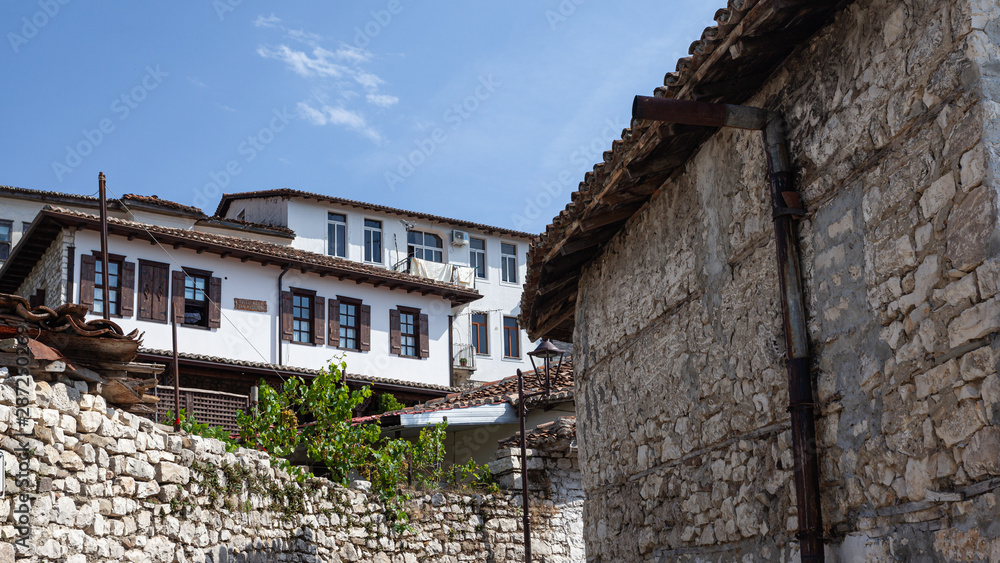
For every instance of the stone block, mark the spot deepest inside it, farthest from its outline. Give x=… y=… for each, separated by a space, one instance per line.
x=988 y=276
x=971 y=226
x=975 y=322
x=937 y=379
x=167 y=472
x=959 y=424
x=982 y=455
x=973 y=168
x=940 y=193
x=89 y=421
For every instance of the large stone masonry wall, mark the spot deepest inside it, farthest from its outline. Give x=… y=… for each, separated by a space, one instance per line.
x=100 y=484
x=681 y=392
x=50 y=274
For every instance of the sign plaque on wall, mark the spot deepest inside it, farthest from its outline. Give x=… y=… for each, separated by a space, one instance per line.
x=251 y=305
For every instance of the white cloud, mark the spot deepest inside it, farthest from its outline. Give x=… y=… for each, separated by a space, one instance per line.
x=339 y=116
x=382 y=100
x=196 y=82
x=226 y=108
x=267 y=21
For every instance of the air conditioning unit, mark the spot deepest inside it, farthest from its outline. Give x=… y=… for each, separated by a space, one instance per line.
x=459 y=238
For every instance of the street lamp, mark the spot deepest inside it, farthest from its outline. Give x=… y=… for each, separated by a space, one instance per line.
x=547 y=352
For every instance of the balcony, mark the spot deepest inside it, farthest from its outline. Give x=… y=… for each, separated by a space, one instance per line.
x=461 y=276
x=464 y=357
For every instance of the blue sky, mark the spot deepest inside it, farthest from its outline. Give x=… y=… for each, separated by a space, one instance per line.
x=490 y=112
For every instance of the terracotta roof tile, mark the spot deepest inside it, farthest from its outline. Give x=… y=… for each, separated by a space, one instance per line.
x=557 y=434
x=165 y=203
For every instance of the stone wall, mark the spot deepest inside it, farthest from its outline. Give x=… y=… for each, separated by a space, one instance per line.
x=87 y=482
x=681 y=393
x=51 y=276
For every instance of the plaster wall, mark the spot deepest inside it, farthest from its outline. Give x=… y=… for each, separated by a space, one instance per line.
x=681 y=393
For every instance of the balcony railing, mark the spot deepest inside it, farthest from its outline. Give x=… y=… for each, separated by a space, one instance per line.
x=465 y=357
x=462 y=276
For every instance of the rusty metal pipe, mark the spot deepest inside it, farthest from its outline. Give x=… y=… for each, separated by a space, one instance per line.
x=785 y=205
x=105 y=267
x=526 y=517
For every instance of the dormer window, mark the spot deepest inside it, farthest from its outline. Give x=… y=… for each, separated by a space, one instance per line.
x=336 y=224
x=425 y=246
x=242 y=215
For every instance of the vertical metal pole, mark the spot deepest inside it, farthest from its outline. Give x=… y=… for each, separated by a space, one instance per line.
x=451 y=351
x=524 y=468
x=177 y=370
x=104 y=246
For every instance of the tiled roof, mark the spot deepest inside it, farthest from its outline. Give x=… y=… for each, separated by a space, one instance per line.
x=502 y=391
x=37 y=194
x=227 y=199
x=264 y=252
x=156 y=201
x=351 y=377
x=727 y=64
x=224 y=222
x=557 y=434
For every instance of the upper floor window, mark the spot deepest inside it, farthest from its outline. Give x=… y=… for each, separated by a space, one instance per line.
x=480 y=333
x=336 y=224
x=242 y=215
x=508 y=262
x=302 y=318
x=408 y=333
x=511 y=338
x=5 y=236
x=114 y=286
x=349 y=324
x=426 y=246
x=196 y=297
x=477 y=256
x=373 y=241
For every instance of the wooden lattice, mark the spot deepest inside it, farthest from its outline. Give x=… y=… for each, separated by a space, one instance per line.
x=212 y=407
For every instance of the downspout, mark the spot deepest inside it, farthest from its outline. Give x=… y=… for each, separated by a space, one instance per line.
x=281 y=275
x=785 y=205
x=451 y=351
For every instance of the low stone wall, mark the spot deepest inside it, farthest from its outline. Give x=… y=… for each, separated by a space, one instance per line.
x=87 y=482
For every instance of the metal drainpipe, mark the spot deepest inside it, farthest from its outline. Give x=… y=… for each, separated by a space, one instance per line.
x=785 y=204
x=281 y=275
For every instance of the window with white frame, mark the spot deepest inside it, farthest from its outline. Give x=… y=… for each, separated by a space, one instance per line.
x=373 y=241
x=426 y=246
x=477 y=256
x=508 y=262
x=336 y=226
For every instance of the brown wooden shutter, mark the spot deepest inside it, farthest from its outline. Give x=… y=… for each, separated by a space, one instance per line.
x=286 y=315
x=128 y=289
x=145 y=291
x=333 y=323
x=425 y=341
x=394 y=341
x=215 y=302
x=88 y=269
x=177 y=295
x=160 y=276
x=365 y=338
x=319 y=319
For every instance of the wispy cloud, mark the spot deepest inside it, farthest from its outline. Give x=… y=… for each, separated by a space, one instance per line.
x=337 y=115
x=341 y=74
x=382 y=100
x=224 y=107
x=266 y=21
x=196 y=82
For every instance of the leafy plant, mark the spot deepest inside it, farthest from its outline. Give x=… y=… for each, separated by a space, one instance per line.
x=386 y=402
x=191 y=425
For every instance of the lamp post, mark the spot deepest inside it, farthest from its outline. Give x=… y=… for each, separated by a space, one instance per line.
x=547 y=352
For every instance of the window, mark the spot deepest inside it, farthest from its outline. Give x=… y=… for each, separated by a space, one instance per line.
x=425 y=246
x=153 y=285
x=508 y=262
x=477 y=256
x=25 y=225
x=242 y=215
x=196 y=299
x=5 y=233
x=408 y=334
x=336 y=225
x=114 y=286
x=349 y=325
x=373 y=241
x=511 y=338
x=302 y=319
x=480 y=333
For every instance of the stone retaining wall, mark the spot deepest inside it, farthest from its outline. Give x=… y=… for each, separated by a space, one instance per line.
x=100 y=484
